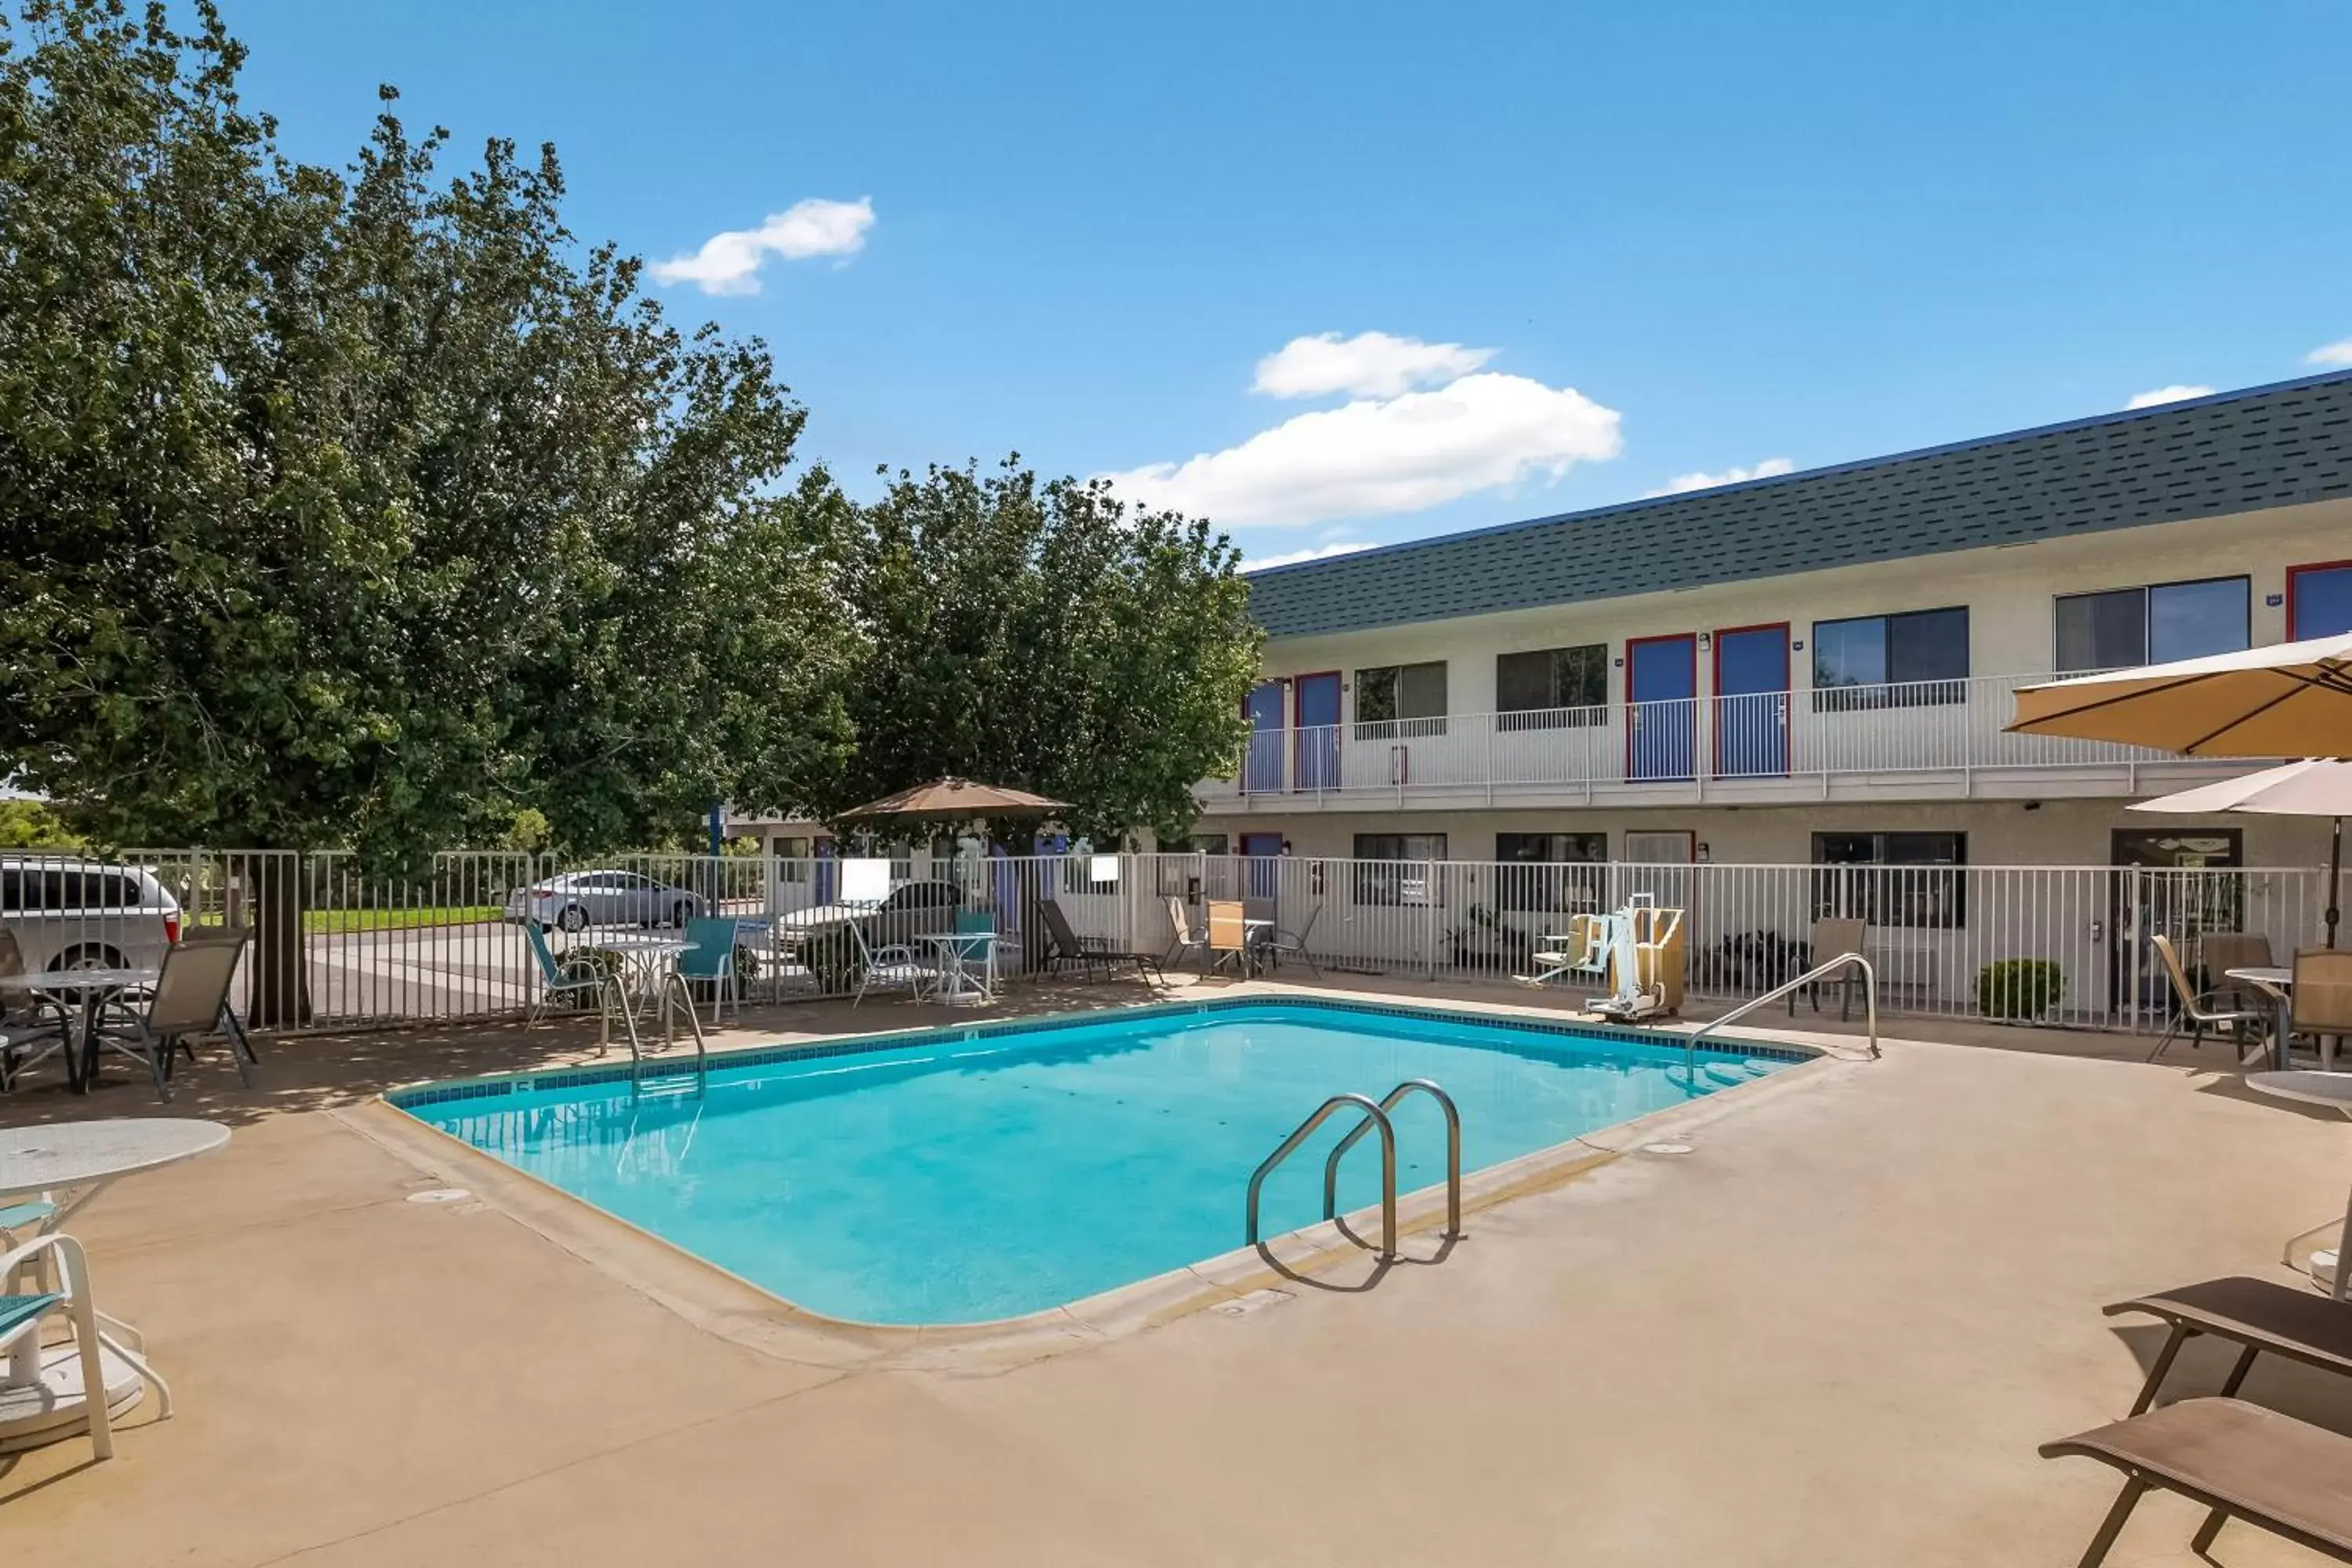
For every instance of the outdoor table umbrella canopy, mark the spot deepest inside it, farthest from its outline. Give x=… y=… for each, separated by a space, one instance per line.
x=2319 y=786
x=952 y=798
x=2290 y=700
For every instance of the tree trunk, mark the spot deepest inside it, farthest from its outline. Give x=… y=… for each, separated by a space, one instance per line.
x=277 y=994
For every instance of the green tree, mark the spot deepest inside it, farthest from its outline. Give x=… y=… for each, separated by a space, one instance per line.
x=360 y=508
x=35 y=825
x=1047 y=637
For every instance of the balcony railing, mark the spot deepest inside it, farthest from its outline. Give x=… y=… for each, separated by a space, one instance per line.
x=1942 y=726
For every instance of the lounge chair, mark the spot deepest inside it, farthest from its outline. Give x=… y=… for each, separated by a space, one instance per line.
x=2239 y=1460
x=1090 y=953
x=2198 y=1010
x=2259 y=1314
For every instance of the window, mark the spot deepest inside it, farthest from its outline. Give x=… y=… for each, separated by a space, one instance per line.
x=1549 y=873
x=1552 y=688
x=793 y=857
x=2124 y=626
x=1409 y=883
x=2318 y=600
x=1395 y=700
x=1892 y=879
x=1917 y=659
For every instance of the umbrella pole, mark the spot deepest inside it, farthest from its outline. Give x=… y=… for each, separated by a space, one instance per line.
x=2334 y=876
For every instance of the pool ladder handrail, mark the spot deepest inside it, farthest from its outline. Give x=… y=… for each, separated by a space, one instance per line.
x=1374 y=1116
x=672 y=982
x=1453 y=1152
x=1843 y=960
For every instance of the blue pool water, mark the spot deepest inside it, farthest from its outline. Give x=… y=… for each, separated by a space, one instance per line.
x=964 y=1176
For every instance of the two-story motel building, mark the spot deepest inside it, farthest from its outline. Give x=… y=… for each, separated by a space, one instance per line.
x=1814 y=668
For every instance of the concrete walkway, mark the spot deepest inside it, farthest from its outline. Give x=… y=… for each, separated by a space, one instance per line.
x=1832 y=1333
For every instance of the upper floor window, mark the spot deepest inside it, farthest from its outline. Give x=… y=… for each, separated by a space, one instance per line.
x=1399 y=700
x=2318 y=600
x=2155 y=625
x=1552 y=688
x=1911 y=660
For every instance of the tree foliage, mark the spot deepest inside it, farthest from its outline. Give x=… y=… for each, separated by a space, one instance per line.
x=1047 y=636
x=361 y=507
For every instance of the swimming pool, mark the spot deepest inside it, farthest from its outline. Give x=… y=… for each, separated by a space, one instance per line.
x=984 y=1172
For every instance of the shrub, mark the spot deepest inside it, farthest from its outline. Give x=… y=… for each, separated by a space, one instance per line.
x=2019 y=988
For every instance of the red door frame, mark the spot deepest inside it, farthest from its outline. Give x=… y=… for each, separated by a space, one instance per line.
x=2294 y=632
x=1715 y=689
x=1298 y=720
x=1690 y=640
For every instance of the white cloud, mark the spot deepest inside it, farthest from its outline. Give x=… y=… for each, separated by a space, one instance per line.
x=1389 y=455
x=2337 y=352
x=729 y=262
x=2172 y=394
x=1320 y=552
x=1681 y=483
x=1369 y=364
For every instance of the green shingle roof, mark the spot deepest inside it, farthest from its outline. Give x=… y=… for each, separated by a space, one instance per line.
x=2236 y=451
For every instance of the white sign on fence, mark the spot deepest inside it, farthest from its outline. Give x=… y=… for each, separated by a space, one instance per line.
x=1105 y=869
x=864 y=881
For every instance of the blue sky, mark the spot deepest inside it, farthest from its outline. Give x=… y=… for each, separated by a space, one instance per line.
x=1696 y=238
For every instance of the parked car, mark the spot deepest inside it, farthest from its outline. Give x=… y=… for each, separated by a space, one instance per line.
x=70 y=913
x=577 y=900
x=911 y=907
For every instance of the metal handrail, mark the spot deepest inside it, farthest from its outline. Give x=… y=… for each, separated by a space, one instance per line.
x=1388 y=1165
x=676 y=982
x=1453 y=1153
x=608 y=991
x=1869 y=998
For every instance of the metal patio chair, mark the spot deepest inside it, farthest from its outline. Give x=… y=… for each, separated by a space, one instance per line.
x=2200 y=1011
x=190 y=998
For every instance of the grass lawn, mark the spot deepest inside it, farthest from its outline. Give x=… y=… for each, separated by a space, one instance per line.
x=318 y=921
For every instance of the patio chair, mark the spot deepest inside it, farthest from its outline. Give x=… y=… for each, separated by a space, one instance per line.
x=1294 y=943
x=1229 y=935
x=2220 y=951
x=1188 y=938
x=1090 y=953
x=2239 y=1460
x=1834 y=937
x=574 y=979
x=711 y=961
x=2200 y=1011
x=977 y=923
x=28 y=1034
x=894 y=967
x=58 y=1259
x=231 y=1027
x=2321 y=1004
x=190 y=995
x=2257 y=1314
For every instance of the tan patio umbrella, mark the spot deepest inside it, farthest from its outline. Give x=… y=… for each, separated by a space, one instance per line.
x=2319 y=786
x=2290 y=700
x=955 y=799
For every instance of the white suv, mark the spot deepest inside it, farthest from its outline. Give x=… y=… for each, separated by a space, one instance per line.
x=69 y=914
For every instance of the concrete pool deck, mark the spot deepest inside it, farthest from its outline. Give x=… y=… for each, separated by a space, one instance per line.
x=1830 y=1334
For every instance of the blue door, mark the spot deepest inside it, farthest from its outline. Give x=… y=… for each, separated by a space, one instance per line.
x=1662 y=707
x=1317 y=743
x=1262 y=770
x=1751 y=709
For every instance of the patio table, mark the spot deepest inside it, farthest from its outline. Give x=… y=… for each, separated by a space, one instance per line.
x=91 y=987
x=2278 y=985
x=958 y=987
x=2328 y=1089
x=69 y=1164
x=641 y=959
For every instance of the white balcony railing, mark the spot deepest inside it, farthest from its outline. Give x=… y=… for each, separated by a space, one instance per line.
x=1949 y=726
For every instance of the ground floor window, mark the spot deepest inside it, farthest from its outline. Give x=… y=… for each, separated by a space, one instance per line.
x=1405 y=883
x=1549 y=873
x=794 y=855
x=1890 y=879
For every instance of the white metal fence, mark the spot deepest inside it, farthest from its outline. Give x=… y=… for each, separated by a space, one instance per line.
x=338 y=945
